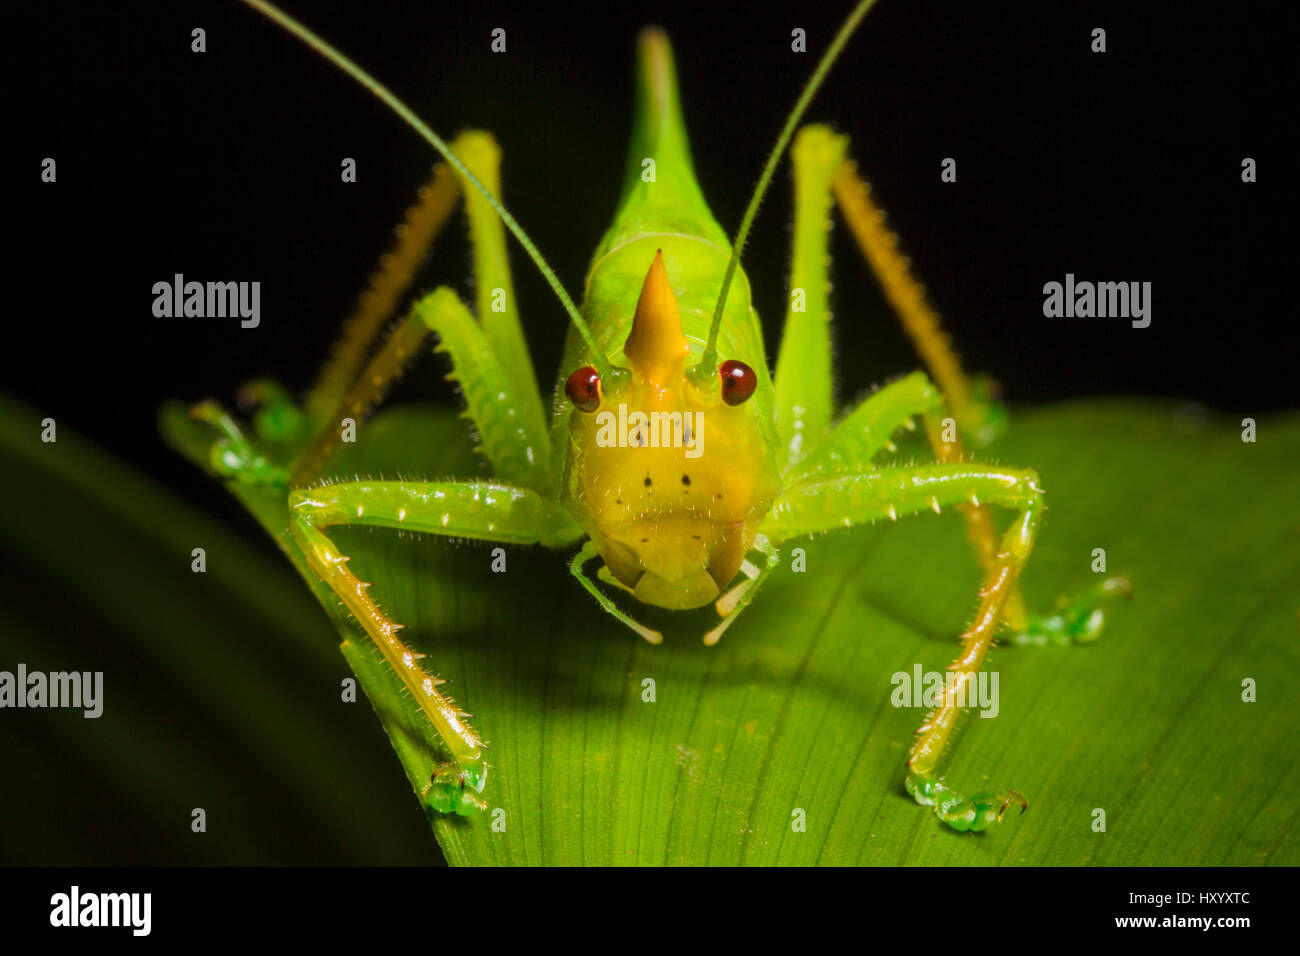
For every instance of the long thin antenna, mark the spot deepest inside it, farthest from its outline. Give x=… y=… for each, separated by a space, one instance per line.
x=709 y=360
x=603 y=364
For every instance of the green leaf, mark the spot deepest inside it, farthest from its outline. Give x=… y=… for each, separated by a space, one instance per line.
x=792 y=710
x=220 y=689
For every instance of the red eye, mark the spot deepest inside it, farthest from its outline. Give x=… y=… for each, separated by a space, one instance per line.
x=583 y=389
x=738 y=382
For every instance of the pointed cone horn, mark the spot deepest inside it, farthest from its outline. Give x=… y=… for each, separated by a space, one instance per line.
x=656 y=345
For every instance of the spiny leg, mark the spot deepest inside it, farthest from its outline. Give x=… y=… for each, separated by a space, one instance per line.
x=480 y=510
x=389 y=283
x=1079 y=620
x=868 y=429
x=971 y=405
x=495 y=295
x=275 y=451
x=978 y=417
x=368 y=390
x=804 y=374
x=489 y=355
x=517 y=445
x=979 y=523
x=825 y=502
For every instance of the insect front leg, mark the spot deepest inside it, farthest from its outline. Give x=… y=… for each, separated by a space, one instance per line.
x=828 y=501
x=1078 y=621
x=480 y=510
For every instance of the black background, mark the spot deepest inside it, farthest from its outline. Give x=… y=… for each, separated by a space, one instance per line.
x=226 y=903
x=225 y=166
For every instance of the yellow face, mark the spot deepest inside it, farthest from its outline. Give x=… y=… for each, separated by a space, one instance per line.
x=670 y=482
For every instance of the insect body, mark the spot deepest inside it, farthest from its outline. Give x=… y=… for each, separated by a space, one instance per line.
x=671 y=453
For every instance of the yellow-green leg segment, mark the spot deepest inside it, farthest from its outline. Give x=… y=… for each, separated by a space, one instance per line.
x=825 y=502
x=481 y=510
x=830 y=480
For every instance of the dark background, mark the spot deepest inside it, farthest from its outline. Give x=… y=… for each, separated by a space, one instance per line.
x=225 y=166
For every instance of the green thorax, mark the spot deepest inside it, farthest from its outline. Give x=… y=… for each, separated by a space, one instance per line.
x=673 y=201
x=667 y=212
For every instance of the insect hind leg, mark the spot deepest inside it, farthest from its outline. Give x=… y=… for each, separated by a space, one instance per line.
x=289 y=445
x=973 y=402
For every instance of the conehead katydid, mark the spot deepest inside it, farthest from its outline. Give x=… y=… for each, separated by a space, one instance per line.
x=669 y=453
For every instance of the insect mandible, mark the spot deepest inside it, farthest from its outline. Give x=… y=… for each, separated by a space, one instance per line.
x=670 y=452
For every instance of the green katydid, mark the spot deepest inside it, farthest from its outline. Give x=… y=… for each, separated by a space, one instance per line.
x=671 y=454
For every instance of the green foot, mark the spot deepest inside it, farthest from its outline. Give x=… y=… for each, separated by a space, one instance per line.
x=279 y=430
x=1080 y=621
x=976 y=812
x=277 y=420
x=455 y=789
x=988 y=415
